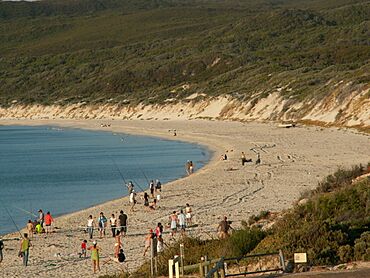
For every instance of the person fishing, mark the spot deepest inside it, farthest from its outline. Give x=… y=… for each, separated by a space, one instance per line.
x=41 y=217
x=130 y=187
x=24 y=250
x=151 y=188
x=133 y=200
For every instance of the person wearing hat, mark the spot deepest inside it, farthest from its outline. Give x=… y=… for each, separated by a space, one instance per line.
x=95 y=256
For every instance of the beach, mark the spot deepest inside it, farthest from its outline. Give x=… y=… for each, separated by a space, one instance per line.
x=293 y=160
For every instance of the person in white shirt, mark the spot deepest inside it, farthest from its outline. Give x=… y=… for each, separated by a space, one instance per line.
x=90 y=226
x=113 y=225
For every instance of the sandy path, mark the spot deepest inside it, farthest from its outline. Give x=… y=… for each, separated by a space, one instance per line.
x=296 y=160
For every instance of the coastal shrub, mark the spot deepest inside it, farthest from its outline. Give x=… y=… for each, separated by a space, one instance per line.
x=332 y=226
x=239 y=243
x=255 y=218
x=362 y=247
x=345 y=253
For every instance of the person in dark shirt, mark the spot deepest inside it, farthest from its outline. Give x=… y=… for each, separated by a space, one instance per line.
x=121 y=256
x=123 y=222
x=223 y=228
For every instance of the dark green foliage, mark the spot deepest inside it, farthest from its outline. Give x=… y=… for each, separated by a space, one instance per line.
x=108 y=50
x=331 y=227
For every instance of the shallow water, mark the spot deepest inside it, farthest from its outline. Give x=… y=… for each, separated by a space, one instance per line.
x=64 y=170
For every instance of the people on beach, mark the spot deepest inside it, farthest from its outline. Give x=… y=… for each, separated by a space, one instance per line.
x=130 y=187
x=191 y=167
x=223 y=157
x=258 y=160
x=1 y=250
x=160 y=244
x=153 y=204
x=102 y=224
x=159 y=230
x=148 y=241
x=223 y=228
x=123 y=222
x=38 y=228
x=151 y=188
x=117 y=244
x=41 y=217
x=83 y=248
x=188 y=215
x=158 y=185
x=30 y=228
x=113 y=224
x=133 y=200
x=173 y=225
x=187 y=167
x=95 y=256
x=24 y=249
x=121 y=256
x=90 y=226
x=244 y=159
x=182 y=221
x=48 y=221
x=146 y=199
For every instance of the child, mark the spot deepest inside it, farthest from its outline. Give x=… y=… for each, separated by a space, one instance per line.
x=83 y=248
x=95 y=256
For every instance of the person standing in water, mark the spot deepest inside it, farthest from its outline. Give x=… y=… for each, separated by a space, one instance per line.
x=95 y=256
x=25 y=248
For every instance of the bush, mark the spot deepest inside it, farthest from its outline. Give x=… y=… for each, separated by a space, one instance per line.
x=345 y=253
x=362 y=247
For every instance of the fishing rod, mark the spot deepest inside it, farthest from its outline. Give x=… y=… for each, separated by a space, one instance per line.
x=119 y=171
x=138 y=185
x=7 y=211
x=26 y=211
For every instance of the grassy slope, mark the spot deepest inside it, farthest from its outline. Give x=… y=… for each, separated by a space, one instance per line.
x=96 y=50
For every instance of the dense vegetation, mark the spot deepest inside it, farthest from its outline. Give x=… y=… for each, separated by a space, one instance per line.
x=332 y=226
x=64 y=51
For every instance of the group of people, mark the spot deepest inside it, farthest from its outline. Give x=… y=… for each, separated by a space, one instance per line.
x=180 y=220
x=117 y=225
x=155 y=189
x=40 y=225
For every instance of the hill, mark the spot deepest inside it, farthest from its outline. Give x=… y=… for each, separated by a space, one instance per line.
x=301 y=59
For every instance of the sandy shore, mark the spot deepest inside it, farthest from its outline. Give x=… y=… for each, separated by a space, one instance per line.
x=295 y=160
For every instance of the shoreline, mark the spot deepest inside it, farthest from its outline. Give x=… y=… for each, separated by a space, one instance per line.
x=302 y=156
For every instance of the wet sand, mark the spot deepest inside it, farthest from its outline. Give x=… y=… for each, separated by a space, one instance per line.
x=292 y=161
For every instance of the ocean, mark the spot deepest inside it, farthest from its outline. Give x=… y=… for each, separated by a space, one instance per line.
x=62 y=170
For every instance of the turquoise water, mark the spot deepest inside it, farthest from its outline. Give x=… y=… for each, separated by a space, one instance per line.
x=64 y=170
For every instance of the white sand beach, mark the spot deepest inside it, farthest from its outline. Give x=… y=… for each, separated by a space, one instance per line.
x=293 y=161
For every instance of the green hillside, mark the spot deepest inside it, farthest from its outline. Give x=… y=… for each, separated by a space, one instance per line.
x=97 y=51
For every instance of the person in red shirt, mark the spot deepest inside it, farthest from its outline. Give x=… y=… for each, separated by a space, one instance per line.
x=48 y=220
